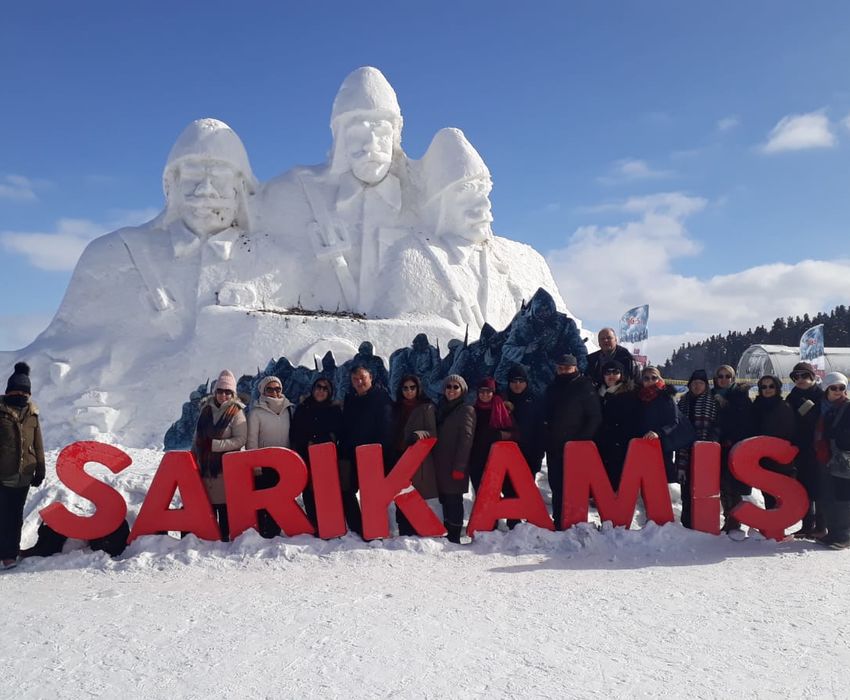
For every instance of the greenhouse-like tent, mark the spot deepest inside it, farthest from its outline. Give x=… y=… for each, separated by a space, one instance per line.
x=779 y=360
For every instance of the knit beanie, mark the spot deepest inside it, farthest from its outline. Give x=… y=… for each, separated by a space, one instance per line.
x=226 y=381
x=698 y=375
x=20 y=379
x=517 y=372
x=265 y=381
x=834 y=379
x=457 y=379
x=487 y=383
x=613 y=364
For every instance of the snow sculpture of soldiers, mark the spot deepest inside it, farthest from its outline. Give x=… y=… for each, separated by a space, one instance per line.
x=350 y=208
x=455 y=265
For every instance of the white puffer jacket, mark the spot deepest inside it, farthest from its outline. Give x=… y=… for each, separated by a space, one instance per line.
x=266 y=428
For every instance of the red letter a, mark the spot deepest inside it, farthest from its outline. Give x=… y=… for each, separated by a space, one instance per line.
x=505 y=459
x=643 y=473
x=378 y=491
x=243 y=501
x=110 y=507
x=178 y=470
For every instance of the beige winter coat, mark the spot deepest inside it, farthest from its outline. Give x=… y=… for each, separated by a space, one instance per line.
x=267 y=428
x=423 y=418
x=233 y=439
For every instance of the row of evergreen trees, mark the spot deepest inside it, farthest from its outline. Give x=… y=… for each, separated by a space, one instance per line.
x=727 y=349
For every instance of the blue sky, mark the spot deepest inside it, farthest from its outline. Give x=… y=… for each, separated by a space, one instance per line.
x=688 y=155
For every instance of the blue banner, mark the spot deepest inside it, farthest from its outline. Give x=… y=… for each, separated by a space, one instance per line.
x=811 y=347
x=633 y=325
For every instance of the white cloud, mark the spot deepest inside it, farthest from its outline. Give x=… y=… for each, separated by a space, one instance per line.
x=846 y=122
x=797 y=132
x=631 y=169
x=604 y=270
x=17 y=187
x=60 y=249
x=727 y=123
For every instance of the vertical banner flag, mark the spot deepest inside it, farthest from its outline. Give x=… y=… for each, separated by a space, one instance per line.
x=633 y=333
x=811 y=348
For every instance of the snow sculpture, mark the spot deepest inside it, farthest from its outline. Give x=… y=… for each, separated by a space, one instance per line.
x=395 y=243
x=455 y=263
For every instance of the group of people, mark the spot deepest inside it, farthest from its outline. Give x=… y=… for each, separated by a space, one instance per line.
x=611 y=403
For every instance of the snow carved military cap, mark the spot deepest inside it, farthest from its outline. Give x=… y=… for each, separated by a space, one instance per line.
x=209 y=140
x=366 y=91
x=450 y=159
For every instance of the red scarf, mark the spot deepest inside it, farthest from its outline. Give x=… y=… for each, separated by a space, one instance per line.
x=650 y=393
x=500 y=417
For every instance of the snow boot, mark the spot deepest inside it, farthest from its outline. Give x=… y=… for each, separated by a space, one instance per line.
x=453 y=533
x=736 y=534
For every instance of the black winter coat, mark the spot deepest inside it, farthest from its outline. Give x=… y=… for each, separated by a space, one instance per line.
x=661 y=416
x=454 y=443
x=774 y=417
x=366 y=420
x=572 y=411
x=804 y=433
x=314 y=422
x=734 y=415
x=528 y=417
x=620 y=412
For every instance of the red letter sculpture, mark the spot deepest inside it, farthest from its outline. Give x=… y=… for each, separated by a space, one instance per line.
x=643 y=472
x=378 y=491
x=324 y=473
x=705 y=487
x=505 y=459
x=110 y=507
x=178 y=470
x=791 y=499
x=243 y=501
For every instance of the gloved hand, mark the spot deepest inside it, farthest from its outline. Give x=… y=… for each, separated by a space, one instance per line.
x=421 y=434
x=37 y=481
x=805 y=407
x=458 y=475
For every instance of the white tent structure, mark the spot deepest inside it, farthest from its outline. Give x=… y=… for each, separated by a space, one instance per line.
x=779 y=360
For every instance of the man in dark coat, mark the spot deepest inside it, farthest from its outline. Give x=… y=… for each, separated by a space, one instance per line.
x=572 y=412
x=366 y=420
x=610 y=350
x=806 y=398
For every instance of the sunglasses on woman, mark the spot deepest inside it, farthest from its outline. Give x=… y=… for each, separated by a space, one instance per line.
x=224 y=392
x=800 y=375
x=409 y=387
x=837 y=387
x=272 y=390
x=453 y=387
x=321 y=387
x=765 y=387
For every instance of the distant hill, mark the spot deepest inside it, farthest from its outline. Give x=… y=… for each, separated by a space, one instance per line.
x=727 y=349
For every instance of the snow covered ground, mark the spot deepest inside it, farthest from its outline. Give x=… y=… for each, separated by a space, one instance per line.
x=657 y=612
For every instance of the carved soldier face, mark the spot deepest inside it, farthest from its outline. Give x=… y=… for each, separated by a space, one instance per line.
x=467 y=209
x=206 y=196
x=369 y=145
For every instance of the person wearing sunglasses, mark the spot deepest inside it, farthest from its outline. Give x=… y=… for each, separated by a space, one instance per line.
x=269 y=421
x=414 y=418
x=317 y=420
x=619 y=418
x=734 y=423
x=657 y=416
x=805 y=398
x=773 y=417
x=222 y=427
x=832 y=446
x=698 y=404
x=455 y=430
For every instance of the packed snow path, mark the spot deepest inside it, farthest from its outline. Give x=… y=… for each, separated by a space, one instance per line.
x=645 y=613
